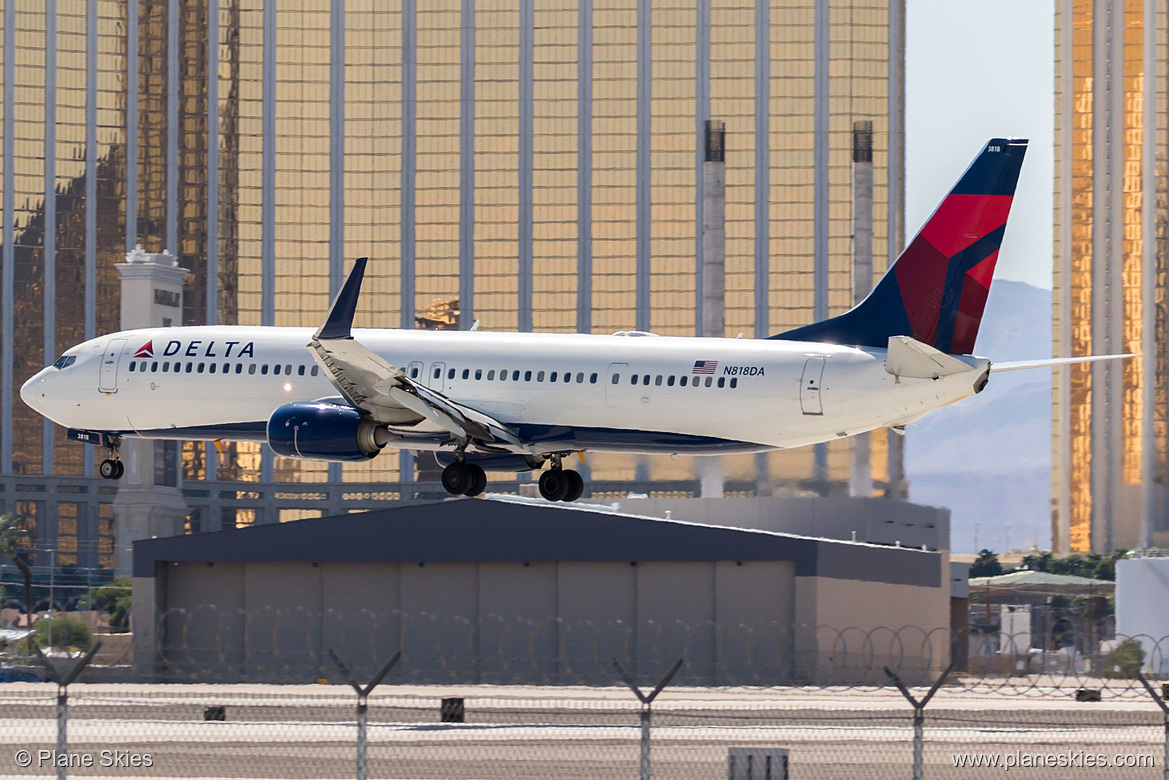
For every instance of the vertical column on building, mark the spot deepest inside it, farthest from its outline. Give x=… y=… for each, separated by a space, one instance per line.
x=467 y=166
x=861 y=476
x=821 y=60
x=584 y=167
x=90 y=291
x=526 y=109
x=701 y=153
x=212 y=311
x=49 y=289
x=1062 y=454
x=762 y=199
x=152 y=290
x=1148 y=278
x=409 y=169
x=896 y=200
x=714 y=253
x=8 y=258
x=643 y=189
x=1107 y=282
x=336 y=163
x=268 y=195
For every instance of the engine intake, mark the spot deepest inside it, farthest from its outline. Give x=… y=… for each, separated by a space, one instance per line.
x=325 y=431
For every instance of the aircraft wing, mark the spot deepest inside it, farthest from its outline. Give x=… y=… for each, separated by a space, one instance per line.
x=372 y=384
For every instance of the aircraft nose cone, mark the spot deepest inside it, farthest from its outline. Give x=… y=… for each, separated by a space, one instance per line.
x=31 y=392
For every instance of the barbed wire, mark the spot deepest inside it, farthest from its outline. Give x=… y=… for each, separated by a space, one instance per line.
x=208 y=643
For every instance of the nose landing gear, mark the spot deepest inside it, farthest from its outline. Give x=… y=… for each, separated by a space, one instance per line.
x=112 y=467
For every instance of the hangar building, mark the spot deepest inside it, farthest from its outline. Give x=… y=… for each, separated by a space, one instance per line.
x=510 y=591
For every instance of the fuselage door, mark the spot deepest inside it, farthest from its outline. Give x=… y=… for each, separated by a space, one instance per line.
x=107 y=379
x=810 y=386
x=614 y=383
x=436 y=380
x=414 y=371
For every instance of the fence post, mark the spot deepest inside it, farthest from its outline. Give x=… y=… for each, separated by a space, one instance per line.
x=63 y=699
x=918 y=714
x=646 y=708
x=363 y=705
x=1164 y=714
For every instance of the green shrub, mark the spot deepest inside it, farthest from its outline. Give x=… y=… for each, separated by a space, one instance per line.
x=69 y=633
x=1125 y=660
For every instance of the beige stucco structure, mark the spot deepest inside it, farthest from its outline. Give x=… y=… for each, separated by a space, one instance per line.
x=486 y=591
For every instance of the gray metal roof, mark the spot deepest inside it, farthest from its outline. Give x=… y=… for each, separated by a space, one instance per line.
x=478 y=530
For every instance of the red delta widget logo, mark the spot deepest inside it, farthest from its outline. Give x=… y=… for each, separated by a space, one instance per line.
x=197 y=348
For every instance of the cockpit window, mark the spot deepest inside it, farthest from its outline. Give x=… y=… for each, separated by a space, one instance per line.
x=65 y=361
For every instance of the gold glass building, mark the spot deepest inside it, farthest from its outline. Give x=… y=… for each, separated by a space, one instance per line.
x=1111 y=277
x=532 y=165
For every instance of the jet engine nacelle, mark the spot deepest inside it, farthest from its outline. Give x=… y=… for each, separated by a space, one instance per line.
x=324 y=431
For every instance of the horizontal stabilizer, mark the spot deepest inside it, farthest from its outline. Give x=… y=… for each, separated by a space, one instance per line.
x=910 y=358
x=1020 y=365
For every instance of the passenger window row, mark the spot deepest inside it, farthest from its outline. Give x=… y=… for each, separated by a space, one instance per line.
x=681 y=381
x=516 y=375
x=191 y=367
x=490 y=375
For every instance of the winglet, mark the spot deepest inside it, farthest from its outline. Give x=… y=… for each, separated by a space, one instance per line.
x=339 y=323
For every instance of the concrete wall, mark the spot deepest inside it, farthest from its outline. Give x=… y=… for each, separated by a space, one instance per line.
x=733 y=622
x=875 y=520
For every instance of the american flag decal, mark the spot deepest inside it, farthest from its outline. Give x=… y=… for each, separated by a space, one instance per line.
x=704 y=366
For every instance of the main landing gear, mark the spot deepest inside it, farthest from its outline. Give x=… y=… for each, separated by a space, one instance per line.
x=467 y=479
x=112 y=467
x=556 y=484
x=561 y=484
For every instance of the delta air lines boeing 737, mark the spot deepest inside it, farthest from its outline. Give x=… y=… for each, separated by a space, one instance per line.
x=520 y=401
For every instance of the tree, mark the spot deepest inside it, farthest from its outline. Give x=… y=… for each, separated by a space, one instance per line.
x=10 y=533
x=986 y=565
x=115 y=598
x=69 y=633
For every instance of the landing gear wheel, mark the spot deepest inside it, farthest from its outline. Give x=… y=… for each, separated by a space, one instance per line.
x=554 y=485
x=575 y=485
x=478 y=480
x=121 y=469
x=111 y=469
x=457 y=479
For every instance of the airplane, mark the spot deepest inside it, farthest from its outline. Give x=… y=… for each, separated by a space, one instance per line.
x=484 y=401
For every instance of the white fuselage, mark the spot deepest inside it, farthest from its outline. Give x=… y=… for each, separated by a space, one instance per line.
x=624 y=393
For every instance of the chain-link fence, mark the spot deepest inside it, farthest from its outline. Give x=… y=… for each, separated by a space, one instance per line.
x=546 y=700
x=310 y=731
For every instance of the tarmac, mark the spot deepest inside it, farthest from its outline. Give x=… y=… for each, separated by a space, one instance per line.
x=513 y=732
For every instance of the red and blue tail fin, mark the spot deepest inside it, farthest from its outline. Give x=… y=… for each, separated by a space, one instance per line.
x=937 y=289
